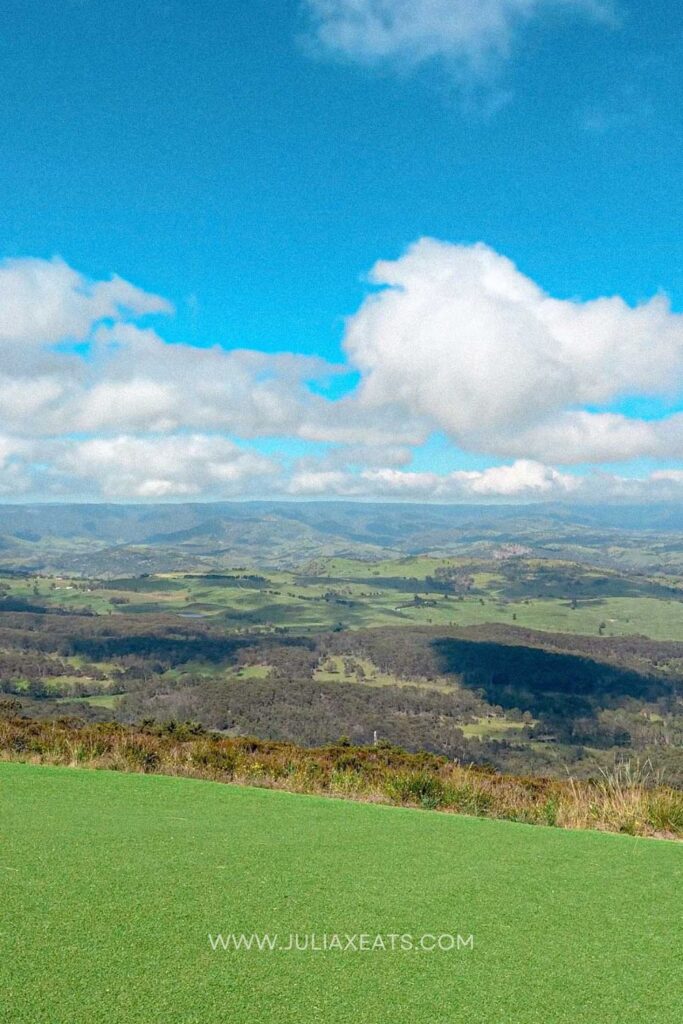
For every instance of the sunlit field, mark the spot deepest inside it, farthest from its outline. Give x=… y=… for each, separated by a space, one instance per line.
x=553 y=596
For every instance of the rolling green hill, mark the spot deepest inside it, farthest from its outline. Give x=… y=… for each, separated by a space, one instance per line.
x=547 y=595
x=99 y=539
x=532 y=666
x=112 y=884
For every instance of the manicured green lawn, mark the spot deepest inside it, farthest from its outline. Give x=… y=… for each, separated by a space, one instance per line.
x=111 y=884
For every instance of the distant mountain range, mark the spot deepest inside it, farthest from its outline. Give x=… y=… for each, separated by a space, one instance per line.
x=115 y=539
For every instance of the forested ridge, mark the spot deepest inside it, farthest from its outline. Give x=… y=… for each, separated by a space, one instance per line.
x=514 y=698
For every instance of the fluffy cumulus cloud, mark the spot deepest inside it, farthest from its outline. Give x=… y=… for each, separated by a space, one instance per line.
x=460 y=338
x=163 y=467
x=74 y=358
x=470 y=32
x=151 y=419
x=46 y=301
x=454 y=339
x=577 y=437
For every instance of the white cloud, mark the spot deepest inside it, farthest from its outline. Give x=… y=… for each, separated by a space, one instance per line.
x=321 y=483
x=132 y=380
x=157 y=468
x=164 y=467
x=24 y=397
x=523 y=480
x=523 y=477
x=462 y=339
x=46 y=301
x=15 y=477
x=579 y=437
x=376 y=455
x=456 y=340
x=470 y=32
x=133 y=403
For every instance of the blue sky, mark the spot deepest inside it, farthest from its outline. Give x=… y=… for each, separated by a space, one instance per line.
x=251 y=162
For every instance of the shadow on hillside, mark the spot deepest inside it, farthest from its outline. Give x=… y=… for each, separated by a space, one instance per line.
x=541 y=681
x=174 y=650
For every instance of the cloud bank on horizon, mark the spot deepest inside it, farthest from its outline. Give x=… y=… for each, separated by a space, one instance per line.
x=452 y=339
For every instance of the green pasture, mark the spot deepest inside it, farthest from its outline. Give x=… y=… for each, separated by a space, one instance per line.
x=98 y=700
x=356 y=594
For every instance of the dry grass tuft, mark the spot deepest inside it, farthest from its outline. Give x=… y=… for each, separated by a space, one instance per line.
x=630 y=798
